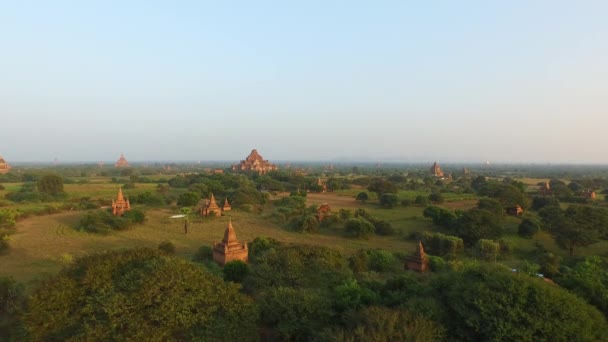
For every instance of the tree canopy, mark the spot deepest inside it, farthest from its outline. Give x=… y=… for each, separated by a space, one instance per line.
x=135 y=294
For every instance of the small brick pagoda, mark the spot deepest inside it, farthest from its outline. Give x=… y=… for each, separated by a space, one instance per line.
x=254 y=163
x=226 y=206
x=122 y=162
x=417 y=261
x=321 y=185
x=230 y=249
x=436 y=170
x=4 y=167
x=120 y=205
x=515 y=211
x=323 y=211
x=210 y=207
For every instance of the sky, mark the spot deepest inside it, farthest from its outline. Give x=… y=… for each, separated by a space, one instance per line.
x=402 y=81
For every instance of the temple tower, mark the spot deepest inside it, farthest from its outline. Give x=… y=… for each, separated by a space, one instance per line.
x=230 y=249
x=4 y=167
x=120 y=205
x=122 y=162
x=417 y=261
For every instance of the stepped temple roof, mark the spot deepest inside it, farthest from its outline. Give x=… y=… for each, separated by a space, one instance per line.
x=122 y=162
x=254 y=162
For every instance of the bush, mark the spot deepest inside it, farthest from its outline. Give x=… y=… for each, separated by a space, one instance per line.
x=188 y=199
x=102 y=222
x=380 y=260
x=235 y=271
x=528 y=228
x=50 y=184
x=305 y=223
x=437 y=264
x=487 y=249
x=406 y=202
x=441 y=244
x=421 y=200
x=359 y=227
x=436 y=197
x=167 y=247
x=389 y=200
x=204 y=253
x=135 y=216
x=384 y=228
x=362 y=197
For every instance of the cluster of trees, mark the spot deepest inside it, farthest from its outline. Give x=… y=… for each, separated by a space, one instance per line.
x=104 y=222
x=46 y=188
x=300 y=293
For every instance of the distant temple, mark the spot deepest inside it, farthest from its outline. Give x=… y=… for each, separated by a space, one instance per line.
x=4 y=167
x=121 y=204
x=210 y=207
x=545 y=188
x=590 y=194
x=417 y=261
x=122 y=162
x=436 y=171
x=230 y=249
x=226 y=206
x=254 y=162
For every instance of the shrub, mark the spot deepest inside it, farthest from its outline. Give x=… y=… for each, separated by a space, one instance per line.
x=188 y=199
x=380 y=260
x=167 y=247
x=204 y=253
x=102 y=222
x=359 y=227
x=436 y=197
x=441 y=244
x=389 y=200
x=135 y=216
x=487 y=249
x=384 y=228
x=305 y=223
x=421 y=200
x=528 y=228
x=235 y=271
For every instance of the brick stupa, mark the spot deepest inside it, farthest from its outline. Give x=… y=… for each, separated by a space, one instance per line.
x=122 y=162
x=230 y=249
x=226 y=206
x=120 y=205
x=254 y=163
x=417 y=261
x=210 y=207
x=4 y=167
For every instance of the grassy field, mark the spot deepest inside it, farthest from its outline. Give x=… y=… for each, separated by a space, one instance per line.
x=42 y=245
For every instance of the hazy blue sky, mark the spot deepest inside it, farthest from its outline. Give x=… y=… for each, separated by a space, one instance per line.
x=513 y=81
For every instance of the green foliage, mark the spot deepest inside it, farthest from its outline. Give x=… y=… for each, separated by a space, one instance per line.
x=389 y=200
x=380 y=260
x=188 y=199
x=436 y=197
x=305 y=223
x=441 y=244
x=148 y=198
x=7 y=218
x=295 y=314
x=50 y=184
x=440 y=216
x=352 y=296
x=167 y=247
x=383 y=228
x=12 y=305
x=528 y=228
x=298 y=266
x=297 y=202
x=136 y=294
x=589 y=280
x=382 y=186
x=491 y=205
x=492 y=304
x=437 y=264
x=261 y=245
x=539 y=203
x=477 y=224
x=362 y=197
x=487 y=249
x=204 y=253
x=577 y=226
x=421 y=200
x=103 y=222
x=359 y=227
x=386 y=324
x=135 y=216
x=235 y=271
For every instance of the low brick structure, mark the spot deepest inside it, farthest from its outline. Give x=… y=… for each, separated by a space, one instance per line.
x=230 y=249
